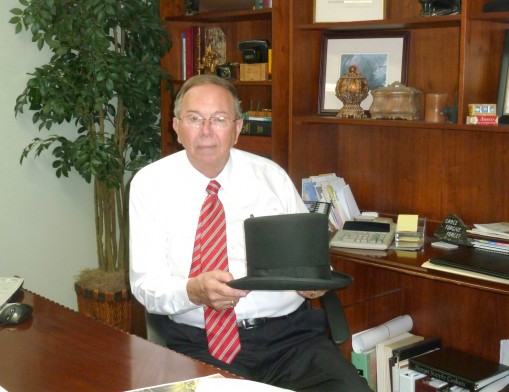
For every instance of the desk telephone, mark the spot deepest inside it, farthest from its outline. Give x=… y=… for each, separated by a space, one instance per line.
x=376 y=234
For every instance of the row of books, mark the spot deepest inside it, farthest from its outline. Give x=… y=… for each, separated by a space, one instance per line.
x=334 y=190
x=392 y=359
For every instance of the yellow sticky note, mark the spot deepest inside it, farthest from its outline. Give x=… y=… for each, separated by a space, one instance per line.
x=407 y=222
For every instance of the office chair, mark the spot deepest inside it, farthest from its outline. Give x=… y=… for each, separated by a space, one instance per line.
x=338 y=326
x=154 y=324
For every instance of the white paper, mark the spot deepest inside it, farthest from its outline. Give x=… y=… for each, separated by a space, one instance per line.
x=366 y=340
x=348 y=10
x=231 y=384
x=504 y=352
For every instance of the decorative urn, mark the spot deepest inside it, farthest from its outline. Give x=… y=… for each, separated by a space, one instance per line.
x=352 y=89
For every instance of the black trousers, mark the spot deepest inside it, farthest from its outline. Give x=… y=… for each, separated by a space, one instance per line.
x=293 y=353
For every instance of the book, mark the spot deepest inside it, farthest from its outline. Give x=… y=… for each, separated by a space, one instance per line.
x=188 y=53
x=459 y=368
x=184 y=54
x=494 y=246
x=398 y=363
x=384 y=351
x=198 y=48
x=408 y=379
x=256 y=127
x=365 y=363
x=429 y=384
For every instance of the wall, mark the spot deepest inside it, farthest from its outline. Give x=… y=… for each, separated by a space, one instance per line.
x=46 y=224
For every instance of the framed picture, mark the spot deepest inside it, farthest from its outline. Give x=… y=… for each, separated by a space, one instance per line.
x=327 y=11
x=503 y=88
x=381 y=57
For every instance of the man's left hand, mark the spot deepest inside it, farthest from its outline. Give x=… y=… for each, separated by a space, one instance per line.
x=311 y=294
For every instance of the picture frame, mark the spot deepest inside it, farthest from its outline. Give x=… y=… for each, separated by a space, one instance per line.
x=330 y=11
x=503 y=89
x=381 y=57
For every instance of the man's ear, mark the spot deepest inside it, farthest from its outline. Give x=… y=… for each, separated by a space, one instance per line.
x=176 y=127
x=238 y=127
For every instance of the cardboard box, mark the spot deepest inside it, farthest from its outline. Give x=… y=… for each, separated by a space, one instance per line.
x=482 y=120
x=476 y=109
x=254 y=72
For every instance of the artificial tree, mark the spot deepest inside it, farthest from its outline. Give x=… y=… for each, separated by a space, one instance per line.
x=102 y=86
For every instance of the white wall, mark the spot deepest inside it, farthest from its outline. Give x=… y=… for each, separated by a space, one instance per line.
x=46 y=223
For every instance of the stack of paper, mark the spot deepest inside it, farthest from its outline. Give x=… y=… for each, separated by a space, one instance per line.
x=331 y=189
x=493 y=237
x=491 y=230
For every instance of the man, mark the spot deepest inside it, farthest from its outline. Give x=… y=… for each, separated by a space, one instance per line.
x=275 y=338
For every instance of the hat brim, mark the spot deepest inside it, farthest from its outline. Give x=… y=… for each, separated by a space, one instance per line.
x=337 y=281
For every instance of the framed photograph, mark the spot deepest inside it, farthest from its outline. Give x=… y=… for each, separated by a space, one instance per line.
x=503 y=88
x=380 y=56
x=327 y=11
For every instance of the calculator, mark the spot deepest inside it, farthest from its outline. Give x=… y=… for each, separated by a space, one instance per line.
x=376 y=234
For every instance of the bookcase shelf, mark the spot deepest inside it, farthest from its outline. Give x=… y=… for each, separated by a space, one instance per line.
x=409 y=166
x=222 y=17
x=237 y=26
x=386 y=24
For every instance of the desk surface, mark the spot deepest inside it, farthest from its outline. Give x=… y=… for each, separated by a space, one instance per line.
x=62 y=350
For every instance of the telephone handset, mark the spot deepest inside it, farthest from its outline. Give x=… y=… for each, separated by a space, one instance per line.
x=376 y=234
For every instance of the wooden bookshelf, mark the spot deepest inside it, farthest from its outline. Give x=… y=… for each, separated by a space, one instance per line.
x=392 y=167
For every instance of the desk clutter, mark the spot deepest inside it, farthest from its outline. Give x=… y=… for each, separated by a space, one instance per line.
x=355 y=230
x=393 y=359
x=480 y=252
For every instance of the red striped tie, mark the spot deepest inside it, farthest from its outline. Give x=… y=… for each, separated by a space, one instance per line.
x=209 y=254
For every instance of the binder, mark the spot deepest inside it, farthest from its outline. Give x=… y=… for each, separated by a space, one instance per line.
x=476 y=260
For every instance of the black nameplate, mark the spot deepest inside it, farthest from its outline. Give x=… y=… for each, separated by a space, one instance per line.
x=453 y=230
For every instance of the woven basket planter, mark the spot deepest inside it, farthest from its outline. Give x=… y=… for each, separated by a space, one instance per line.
x=111 y=308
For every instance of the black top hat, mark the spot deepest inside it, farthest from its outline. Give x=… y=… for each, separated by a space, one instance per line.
x=289 y=252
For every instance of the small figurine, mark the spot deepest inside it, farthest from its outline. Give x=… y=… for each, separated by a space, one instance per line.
x=209 y=62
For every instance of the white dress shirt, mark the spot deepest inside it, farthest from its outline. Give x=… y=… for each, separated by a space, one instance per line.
x=165 y=202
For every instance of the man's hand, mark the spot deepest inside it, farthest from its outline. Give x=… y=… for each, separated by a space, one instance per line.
x=210 y=289
x=312 y=294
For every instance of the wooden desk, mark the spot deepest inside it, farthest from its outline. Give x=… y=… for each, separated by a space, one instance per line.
x=467 y=313
x=61 y=350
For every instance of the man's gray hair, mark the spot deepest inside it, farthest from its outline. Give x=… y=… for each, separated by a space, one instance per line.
x=199 y=80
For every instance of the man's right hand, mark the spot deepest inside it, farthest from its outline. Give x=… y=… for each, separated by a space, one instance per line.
x=210 y=289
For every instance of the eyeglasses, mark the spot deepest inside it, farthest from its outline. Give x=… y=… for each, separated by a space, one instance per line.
x=216 y=122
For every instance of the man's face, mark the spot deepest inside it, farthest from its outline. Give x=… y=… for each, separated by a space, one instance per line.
x=207 y=145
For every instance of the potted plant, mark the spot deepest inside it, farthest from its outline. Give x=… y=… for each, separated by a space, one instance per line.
x=102 y=87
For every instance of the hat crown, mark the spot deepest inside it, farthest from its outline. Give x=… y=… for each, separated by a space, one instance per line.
x=288 y=245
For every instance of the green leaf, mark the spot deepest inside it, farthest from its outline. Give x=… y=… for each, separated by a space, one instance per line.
x=16 y=11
